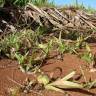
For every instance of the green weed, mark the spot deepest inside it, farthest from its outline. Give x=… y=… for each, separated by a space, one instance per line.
x=87 y=55
x=22 y=3
x=18 y=42
x=10 y=44
x=46 y=47
x=22 y=61
x=62 y=46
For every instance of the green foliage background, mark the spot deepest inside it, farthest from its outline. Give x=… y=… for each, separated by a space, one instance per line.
x=25 y=2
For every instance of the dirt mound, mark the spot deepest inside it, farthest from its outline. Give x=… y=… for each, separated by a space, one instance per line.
x=11 y=76
x=69 y=20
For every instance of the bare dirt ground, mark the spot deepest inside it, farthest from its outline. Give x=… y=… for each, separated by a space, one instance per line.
x=9 y=73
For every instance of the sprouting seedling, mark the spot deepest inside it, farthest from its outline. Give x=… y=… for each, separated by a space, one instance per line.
x=21 y=60
x=46 y=47
x=10 y=44
x=62 y=47
x=13 y=41
x=87 y=56
x=81 y=41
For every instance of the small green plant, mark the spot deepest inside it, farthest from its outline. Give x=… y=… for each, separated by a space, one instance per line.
x=46 y=47
x=87 y=56
x=21 y=58
x=31 y=61
x=22 y=61
x=17 y=46
x=10 y=44
x=18 y=42
x=80 y=42
x=62 y=46
x=72 y=49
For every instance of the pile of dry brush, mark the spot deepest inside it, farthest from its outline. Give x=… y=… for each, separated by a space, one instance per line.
x=68 y=20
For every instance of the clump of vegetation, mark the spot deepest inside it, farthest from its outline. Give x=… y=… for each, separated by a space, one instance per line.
x=10 y=44
x=87 y=55
x=22 y=3
x=22 y=46
x=62 y=47
x=31 y=49
x=42 y=3
x=46 y=47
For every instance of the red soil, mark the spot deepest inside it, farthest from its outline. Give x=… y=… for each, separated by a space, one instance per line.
x=9 y=71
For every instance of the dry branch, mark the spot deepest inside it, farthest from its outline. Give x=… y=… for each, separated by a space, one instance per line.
x=68 y=20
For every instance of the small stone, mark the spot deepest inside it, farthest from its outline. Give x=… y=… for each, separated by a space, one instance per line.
x=1 y=31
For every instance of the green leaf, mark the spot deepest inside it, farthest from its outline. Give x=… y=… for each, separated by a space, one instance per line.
x=87 y=56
